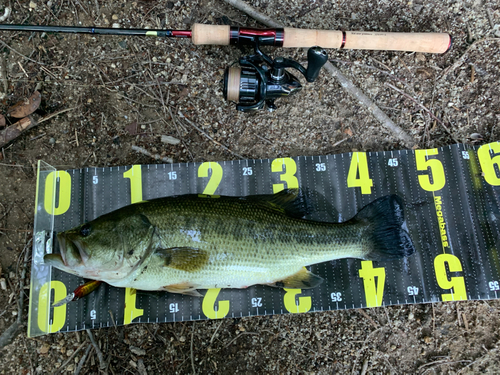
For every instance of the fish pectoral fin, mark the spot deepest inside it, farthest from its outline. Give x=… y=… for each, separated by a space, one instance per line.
x=303 y=279
x=183 y=288
x=183 y=258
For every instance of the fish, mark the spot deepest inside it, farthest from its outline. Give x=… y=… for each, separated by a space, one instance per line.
x=182 y=244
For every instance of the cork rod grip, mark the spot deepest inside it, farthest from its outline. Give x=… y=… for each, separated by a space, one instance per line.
x=414 y=42
x=210 y=34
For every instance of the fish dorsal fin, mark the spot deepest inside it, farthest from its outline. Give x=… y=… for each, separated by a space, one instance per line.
x=183 y=258
x=292 y=202
x=303 y=279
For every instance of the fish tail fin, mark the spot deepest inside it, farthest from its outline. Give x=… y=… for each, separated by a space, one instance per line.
x=388 y=240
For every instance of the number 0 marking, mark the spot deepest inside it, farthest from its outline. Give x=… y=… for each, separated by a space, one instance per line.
x=289 y=175
x=208 y=305
x=358 y=175
x=215 y=178
x=64 y=201
x=488 y=162
x=59 y=316
x=303 y=305
x=456 y=283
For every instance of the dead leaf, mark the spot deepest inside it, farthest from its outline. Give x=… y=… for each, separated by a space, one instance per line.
x=348 y=132
x=132 y=128
x=425 y=73
x=2 y=120
x=25 y=107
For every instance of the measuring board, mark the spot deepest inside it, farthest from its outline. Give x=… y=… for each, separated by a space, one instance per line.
x=452 y=210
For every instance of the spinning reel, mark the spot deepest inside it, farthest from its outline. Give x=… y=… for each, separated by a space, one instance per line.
x=260 y=80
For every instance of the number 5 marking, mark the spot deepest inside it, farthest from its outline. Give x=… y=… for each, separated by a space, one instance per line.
x=208 y=305
x=436 y=170
x=457 y=283
x=488 y=163
x=303 y=305
x=215 y=178
x=289 y=175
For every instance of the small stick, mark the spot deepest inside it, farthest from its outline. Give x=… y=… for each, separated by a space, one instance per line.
x=490 y=18
x=70 y=358
x=102 y=363
x=82 y=360
x=192 y=356
x=461 y=60
x=345 y=82
x=423 y=107
x=209 y=137
x=153 y=156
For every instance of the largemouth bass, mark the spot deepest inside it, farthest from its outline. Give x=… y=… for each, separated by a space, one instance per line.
x=184 y=243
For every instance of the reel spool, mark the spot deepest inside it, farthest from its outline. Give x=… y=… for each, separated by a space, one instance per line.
x=260 y=80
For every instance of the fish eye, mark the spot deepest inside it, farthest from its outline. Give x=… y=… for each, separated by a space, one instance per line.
x=85 y=230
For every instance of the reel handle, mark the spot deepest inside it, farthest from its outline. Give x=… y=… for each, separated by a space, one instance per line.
x=316 y=58
x=293 y=38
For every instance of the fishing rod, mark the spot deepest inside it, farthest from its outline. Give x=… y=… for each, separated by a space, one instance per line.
x=260 y=80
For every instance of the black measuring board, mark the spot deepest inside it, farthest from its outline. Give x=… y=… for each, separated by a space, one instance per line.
x=452 y=209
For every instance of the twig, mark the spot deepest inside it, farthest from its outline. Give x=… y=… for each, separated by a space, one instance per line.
x=154 y=156
x=82 y=360
x=69 y=359
x=192 y=355
x=209 y=137
x=461 y=60
x=424 y=108
x=102 y=363
x=11 y=333
x=20 y=54
x=368 y=317
x=345 y=82
x=239 y=335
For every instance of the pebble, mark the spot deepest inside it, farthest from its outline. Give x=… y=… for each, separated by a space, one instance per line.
x=52 y=141
x=137 y=351
x=170 y=140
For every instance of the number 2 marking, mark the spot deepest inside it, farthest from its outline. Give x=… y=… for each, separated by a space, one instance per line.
x=215 y=177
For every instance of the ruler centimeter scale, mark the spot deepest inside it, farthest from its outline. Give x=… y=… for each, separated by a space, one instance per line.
x=452 y=211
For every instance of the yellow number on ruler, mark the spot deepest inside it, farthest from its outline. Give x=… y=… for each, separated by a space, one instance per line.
x=131 y=311
x=304 y=304
x=359 y=167
x=289 y=175
x=488 y=163
x=456 y=283
x=215 y=178
x=436 y=170
x=135 y=175
x=208 y=305
x=374 y=289
x=59 y=315
x=64 y=201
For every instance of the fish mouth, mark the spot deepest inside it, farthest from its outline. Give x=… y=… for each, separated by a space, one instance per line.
x=71 y=250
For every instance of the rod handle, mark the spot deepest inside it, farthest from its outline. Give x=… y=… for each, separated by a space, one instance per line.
x=210 y=34
x=367 y=40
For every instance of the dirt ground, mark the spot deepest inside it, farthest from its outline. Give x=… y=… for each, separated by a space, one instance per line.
x=125 y=91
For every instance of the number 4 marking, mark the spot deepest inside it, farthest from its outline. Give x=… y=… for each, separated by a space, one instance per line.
x=374 y=288
x=358 y=175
